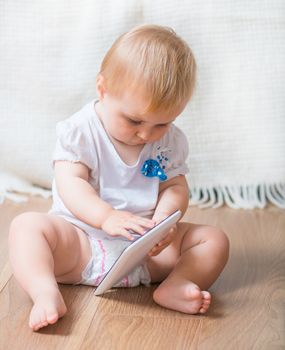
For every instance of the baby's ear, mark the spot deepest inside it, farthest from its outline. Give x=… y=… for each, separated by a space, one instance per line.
x=100 y=86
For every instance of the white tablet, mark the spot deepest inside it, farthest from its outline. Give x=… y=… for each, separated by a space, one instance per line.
x=135 y=253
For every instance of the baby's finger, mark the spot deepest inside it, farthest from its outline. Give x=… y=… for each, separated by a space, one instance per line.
x=160 y=246
x=135 y=228
x=138 y=225
x=156 y=250
x=125 y=233
x=165 y=242
x=144 y=222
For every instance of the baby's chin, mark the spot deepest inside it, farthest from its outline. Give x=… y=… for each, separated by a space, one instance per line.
x=134 y=143
x=130 y=142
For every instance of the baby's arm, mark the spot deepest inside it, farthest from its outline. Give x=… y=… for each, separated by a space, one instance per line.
x=173 y=195
x=83 y=201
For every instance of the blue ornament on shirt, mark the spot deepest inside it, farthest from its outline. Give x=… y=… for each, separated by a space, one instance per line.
x=151 y=168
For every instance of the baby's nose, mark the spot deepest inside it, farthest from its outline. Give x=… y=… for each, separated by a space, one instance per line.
x=144 y=134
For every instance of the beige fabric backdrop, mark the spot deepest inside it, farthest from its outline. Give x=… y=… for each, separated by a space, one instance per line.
x=50 y=52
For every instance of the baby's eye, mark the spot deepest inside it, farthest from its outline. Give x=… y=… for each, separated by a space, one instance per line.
x=134 y=122
x=161 y=125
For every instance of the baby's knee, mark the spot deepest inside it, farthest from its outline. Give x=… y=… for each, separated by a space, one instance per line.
x=23 y=222
x=221 y=243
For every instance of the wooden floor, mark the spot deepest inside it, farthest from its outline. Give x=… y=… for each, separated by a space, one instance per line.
x=248 y=309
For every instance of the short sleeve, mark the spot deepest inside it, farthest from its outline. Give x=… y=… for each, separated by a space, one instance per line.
x=73 y=144
x=177 y=155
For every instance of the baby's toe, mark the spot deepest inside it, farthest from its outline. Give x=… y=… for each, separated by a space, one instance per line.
x=206 y=296
x=204 y=308
x=36 y=317
x=52 y=317
x=206 y=301
x=44 y=318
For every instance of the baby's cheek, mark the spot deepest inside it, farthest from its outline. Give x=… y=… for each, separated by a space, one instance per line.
x=158 y=135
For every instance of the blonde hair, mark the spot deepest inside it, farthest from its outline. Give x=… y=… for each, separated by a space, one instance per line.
x=153 y=60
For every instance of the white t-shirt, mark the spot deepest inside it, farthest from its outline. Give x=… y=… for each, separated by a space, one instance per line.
x=82 y=138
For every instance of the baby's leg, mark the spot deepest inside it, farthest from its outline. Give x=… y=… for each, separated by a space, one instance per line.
x=190 y=265
x=45 y=249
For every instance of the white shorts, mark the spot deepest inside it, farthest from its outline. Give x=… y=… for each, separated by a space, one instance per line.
x=104 y=253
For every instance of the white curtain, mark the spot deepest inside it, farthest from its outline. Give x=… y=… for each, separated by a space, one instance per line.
x=50 y=52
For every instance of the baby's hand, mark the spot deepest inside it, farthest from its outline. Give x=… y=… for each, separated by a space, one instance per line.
x=159 y=247
x=119 y=223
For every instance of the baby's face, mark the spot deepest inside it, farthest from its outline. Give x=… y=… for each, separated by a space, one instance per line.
x=125 y=122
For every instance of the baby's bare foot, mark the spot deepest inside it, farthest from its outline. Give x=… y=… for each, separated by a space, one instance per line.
x=48 y=307
x=179 y=294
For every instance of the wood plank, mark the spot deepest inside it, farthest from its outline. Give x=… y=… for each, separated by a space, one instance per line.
x=136 y=301
x=252 y=288
x=109 y=331
x=247 y=312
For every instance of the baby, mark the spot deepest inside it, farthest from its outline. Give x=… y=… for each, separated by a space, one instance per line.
x=102 y=194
